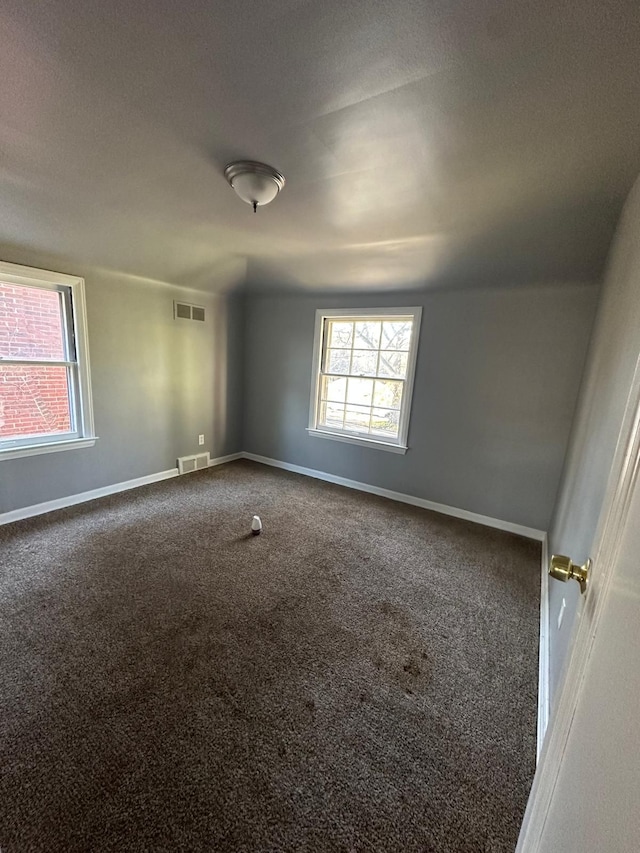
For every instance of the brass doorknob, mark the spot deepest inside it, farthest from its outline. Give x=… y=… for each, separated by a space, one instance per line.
x=563 y=569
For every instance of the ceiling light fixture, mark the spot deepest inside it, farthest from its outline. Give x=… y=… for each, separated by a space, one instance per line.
x=255 y=183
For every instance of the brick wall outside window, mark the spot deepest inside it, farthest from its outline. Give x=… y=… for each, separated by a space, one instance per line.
x=33 y=399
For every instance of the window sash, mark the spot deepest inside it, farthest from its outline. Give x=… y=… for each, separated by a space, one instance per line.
x=397 y=318
x=373 y=436
x=357 y=376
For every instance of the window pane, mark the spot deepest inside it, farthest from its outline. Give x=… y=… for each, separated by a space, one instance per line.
x=340 y=334
x=34 y=400
x=331 y=415
x=367 y=334
x=387 y=394
x=333 y=388
x=357 y=418
x=338 y=361
x=360 y=391
x=385 y=422
x=393 y=363
x=31 y=323
x=364 y=363
x=396 y=334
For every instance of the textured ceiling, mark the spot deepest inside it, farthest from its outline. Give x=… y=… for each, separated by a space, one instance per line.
x=424 y=143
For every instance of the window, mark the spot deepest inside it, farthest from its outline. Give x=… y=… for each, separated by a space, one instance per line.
x=364 y=363
x=45 y=392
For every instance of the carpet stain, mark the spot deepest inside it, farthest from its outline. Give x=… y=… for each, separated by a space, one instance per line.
x=170 y=682
x=412 y=668
x=389 y=610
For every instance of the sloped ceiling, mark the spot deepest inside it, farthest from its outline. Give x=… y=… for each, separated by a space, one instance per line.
x=423 y=142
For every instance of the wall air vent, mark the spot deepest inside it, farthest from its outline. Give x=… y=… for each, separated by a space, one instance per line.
x=198 y=462
x=185 y=311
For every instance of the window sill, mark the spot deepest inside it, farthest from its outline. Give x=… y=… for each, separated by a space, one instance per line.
x=363 y=442
x=51 y=447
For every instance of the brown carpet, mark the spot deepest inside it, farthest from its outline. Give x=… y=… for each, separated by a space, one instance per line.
x=362 y=676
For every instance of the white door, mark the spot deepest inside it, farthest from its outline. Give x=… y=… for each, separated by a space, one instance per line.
x=586 y=792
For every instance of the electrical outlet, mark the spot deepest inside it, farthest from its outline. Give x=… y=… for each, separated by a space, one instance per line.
x=201 y=439
x=561 y=613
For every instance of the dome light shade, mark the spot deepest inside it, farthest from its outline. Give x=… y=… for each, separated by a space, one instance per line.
x=255 y=183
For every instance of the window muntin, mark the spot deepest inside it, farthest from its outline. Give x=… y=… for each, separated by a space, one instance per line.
x=44 y=378
x=365 y=374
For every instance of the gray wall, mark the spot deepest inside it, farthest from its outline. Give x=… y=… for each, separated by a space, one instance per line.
x=496 y=383
x=613 y=353
x=157 y=384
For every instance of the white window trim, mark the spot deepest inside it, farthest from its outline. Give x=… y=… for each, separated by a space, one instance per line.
x=322 y=314
x=85 y=435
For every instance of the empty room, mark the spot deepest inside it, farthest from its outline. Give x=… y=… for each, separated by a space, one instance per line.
x=319 y=426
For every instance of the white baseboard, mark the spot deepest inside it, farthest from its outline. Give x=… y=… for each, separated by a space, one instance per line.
x=71 y=500
x=509 y=526
x=81 y=497
x=220 y=460
x=543 y=653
